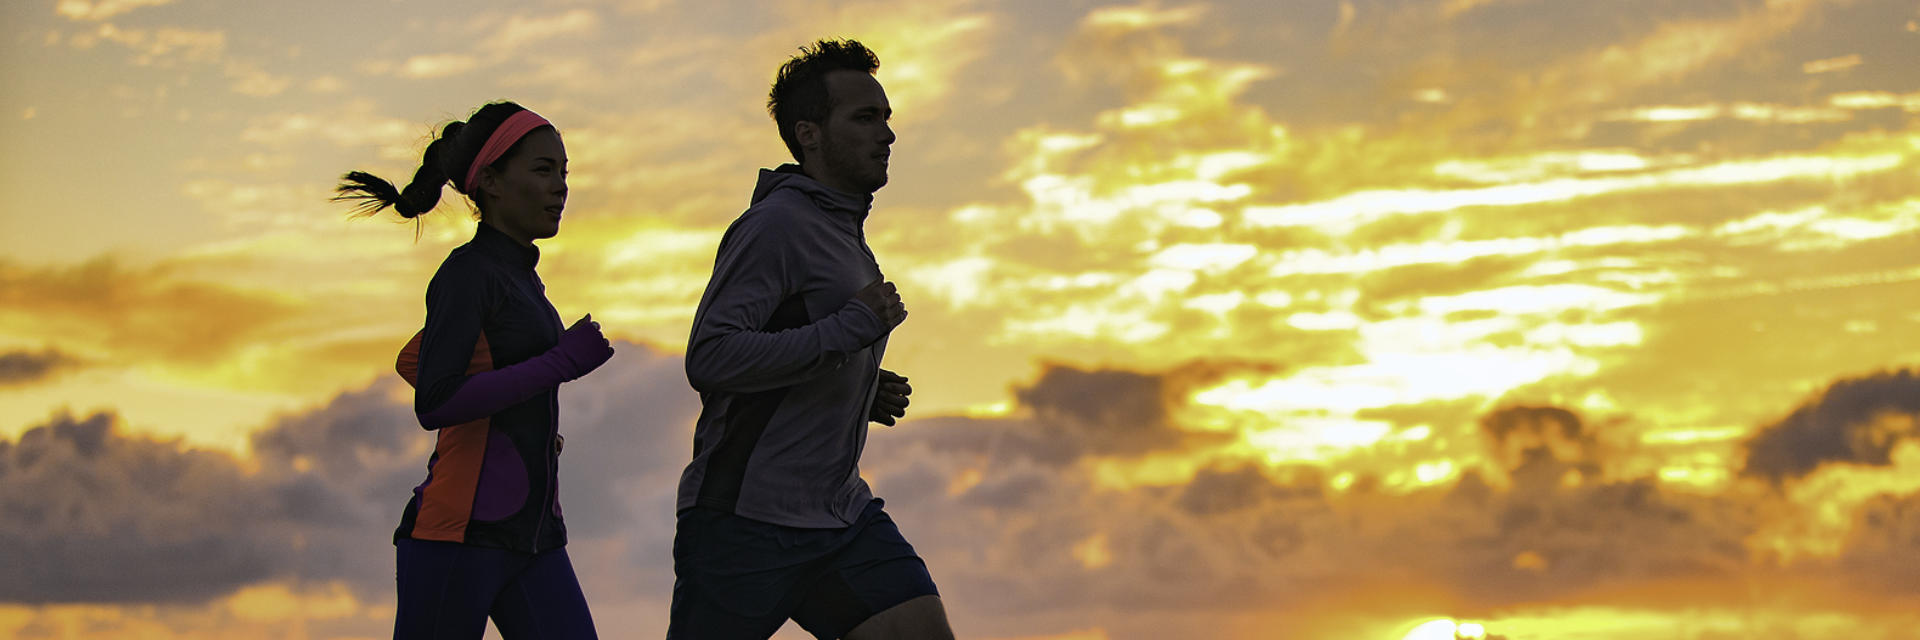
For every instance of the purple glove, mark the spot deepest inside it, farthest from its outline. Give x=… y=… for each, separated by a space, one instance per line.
x=583 y=347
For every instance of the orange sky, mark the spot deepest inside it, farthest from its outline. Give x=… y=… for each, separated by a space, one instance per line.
x=1488 y=318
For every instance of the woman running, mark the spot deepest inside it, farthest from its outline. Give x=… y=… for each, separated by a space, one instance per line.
x=482 y=536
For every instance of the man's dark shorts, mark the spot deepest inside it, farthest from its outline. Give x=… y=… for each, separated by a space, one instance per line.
x=742 y=578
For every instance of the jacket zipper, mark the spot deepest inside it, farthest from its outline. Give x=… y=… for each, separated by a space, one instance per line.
x=546 y=457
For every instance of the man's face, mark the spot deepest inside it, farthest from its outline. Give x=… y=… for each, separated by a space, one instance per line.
x=855 y=139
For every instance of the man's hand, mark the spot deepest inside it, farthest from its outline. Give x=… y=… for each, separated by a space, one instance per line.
x=881 y=297
x=890 y=403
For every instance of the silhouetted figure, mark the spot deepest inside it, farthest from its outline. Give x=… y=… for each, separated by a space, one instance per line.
x=775 y=522
x=482 y=536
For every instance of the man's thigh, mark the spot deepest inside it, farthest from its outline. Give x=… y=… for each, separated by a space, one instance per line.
x=697 y=614
x=875 y=573
x=739 y=578
x=922 y=618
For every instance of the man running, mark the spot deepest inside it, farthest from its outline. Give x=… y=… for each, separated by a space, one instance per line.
x=775 y=522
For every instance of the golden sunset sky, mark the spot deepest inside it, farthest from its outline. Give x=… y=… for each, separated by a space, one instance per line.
x=1368 y=319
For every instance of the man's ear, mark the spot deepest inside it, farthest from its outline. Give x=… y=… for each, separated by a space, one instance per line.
x=807 y=133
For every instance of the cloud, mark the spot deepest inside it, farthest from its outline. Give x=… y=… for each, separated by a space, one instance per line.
x=27 y=367
x=1407 y=221
x=496 y=39
x=1241 y=538
x=97 y=10
x=1675 y=50
x=318 y=496
x=170 y=47
x=356 y=123
x=1885 y=543
x=1070 y=414
x=1540 y=445
x=162 y=47
x=1855 y=421
x=520 y=31
x=99 y=514
x=251 y=80
x=1116 y=411
x=438 y=65
x=137 y=313
x=95 y=515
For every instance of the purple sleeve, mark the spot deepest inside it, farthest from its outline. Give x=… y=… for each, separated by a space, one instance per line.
x=486 y=393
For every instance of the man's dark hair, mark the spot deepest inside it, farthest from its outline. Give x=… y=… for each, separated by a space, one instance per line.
x=800 y=90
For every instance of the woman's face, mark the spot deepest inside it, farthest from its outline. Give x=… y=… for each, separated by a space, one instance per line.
x=526 y=195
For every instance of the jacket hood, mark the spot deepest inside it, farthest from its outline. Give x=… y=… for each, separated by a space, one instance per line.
x=789 y=176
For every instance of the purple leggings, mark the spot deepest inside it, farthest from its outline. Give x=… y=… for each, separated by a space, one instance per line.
x=448 y=590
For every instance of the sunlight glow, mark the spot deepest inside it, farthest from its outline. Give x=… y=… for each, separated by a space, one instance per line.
x=1203 y=257
x=1876 y=100
x=1312 y=440
x=1536 y=299
x=1429 y=473
x=1441 y=629
x=1828 y=65
x=1697 y=478
x=1383 y=257
x=274 y=602
x=966 y=480
x=1092 y=552
x=1156 y=470
x=1687 y=436
x=1341 y=215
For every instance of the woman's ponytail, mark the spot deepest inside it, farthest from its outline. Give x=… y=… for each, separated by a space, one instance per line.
x=447 y=158
x=374 y=193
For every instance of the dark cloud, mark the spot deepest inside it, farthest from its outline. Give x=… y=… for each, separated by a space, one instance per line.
x=1020 y=534
x=1540 y=446
x=27 y=367
x=100 y=515
x=1127 y=409
x=1885 y=544
x=1512 y=546
x=95 y=514
x=1848 y=423
x=1077 y=412
x=1069 y=414
x=1243 y=538
x=1223 y=490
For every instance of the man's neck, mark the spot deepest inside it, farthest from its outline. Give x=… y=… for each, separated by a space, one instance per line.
x=826 y=180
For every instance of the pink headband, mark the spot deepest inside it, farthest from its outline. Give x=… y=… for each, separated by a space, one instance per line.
x=509 y=132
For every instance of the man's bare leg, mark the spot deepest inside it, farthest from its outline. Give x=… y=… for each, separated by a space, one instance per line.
x=922 y=618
